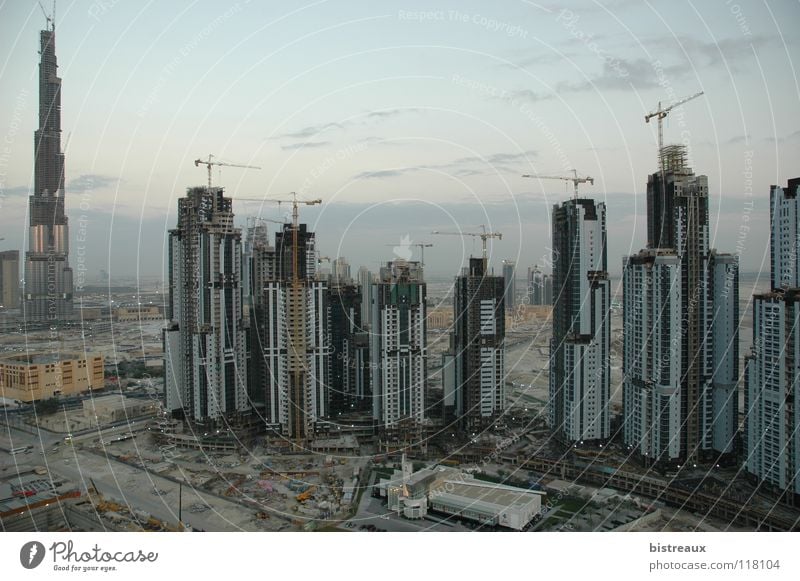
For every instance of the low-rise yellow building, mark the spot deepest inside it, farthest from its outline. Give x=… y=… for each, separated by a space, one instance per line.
x=141 y=313
x=32 y=377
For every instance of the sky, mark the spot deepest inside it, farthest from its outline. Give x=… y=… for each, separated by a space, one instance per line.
x=403 y=117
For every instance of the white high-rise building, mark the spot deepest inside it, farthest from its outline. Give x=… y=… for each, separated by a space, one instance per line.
x=204 y=344
x=398 y=348
x=579 y=347
x=772 y=397
x=772 y=374
x=651 y=354
x=784 y=213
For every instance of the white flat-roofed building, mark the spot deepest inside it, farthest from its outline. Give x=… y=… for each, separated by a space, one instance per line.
x=453 y=492
x=487 y=503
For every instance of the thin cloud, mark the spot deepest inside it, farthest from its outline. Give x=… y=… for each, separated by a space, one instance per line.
x=625 y=74
x=91 y=182
x=384 y=173
x=791 y=137
x=465 y=173
x=460 y=167
x=620 y=73
x=544 y=58
x=310 y=131
x=388 y=113
x=738 y=139
x=305 y=145
x=15 y=191
x=369 y=118
x=529 y=96
x=703 y=53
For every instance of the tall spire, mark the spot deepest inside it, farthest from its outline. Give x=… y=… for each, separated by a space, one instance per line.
x=48 y=277
x=49 y=159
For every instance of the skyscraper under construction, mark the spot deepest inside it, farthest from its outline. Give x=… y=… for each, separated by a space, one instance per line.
x=48 y=276
x=204 y=344
x=479 y=346
x=680 y=357
x=290 y=334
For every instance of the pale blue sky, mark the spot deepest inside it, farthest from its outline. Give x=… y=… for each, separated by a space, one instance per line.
x=402 y=117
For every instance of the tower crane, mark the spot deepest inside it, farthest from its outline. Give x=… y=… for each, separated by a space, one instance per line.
x=51 y=20
x=421 y=245
x=574 y=179
x=484 y=236
x=208 y=162
x=293 y=201
x=661 y=114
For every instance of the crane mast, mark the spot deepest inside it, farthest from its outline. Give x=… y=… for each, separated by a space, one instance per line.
x=661 y=114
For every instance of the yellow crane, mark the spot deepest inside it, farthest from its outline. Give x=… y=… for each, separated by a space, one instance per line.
x=296 y=325
x=304 y=496
x=661 y=114
x=209 y=162
x=574 y=179
x=484 y=236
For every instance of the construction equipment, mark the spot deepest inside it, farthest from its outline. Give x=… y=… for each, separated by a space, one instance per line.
x=234 y=487
x=208 y=162
x=297 y=328
x=304 y=496
x=661 y=114
x=484 y=236
x=421 y=245
x=51 y=19
x=574 y=179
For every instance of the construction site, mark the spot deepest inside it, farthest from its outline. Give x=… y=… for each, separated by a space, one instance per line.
x=132 y=484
